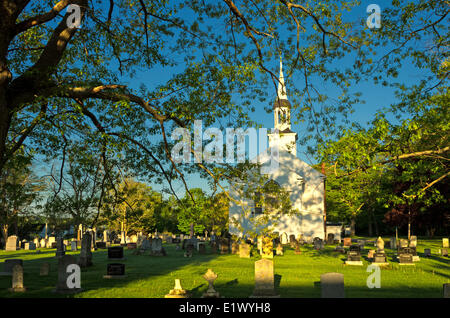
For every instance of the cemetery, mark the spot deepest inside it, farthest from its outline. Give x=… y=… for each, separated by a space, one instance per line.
x=224 y=149
x=313 y=273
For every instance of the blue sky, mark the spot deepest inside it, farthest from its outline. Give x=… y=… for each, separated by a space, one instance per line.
x=376 y=97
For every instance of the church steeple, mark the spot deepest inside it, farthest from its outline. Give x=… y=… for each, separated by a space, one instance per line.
x=282 y=117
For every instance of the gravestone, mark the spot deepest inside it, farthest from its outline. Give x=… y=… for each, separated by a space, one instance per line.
x=156 y=248
x=297 y=249
x=267 y=247
x=332 y=285
x=284 y=238
x=445 y=243
x=380 y=255
x=8 y=266
x=444 y=252
x=30 y=246
x=403 y=243
x=330 y=238
x=318 y=243
x=189 y=250
x=177 y=291
x=45 y=269
x=244 y=250
x=12 y=243
x=85 y=259
x=347 y=241
x=446 y=288
x=51 y=242
x=234 y=248
x=17 y=279
x=43 y=243
x=210 y=277
x=73 y=245
x=405 y=256
x=264 y=279
x=393 y=243
x=354 y=256
x=36 y=242
x=361 y=244
x=115 y=253
x=427 y=252
x=115 y=270
x=132 y=246
x=224 y=245
x=60 y=247
x=63 y=275
x=279 y=250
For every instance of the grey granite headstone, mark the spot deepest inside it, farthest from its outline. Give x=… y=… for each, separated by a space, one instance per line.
x=85 y=259
x=264 y=279
x=332 y=285
x=244 y=250
x=17 y=279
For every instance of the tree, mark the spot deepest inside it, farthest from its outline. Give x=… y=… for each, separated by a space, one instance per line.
x=18 y=190
x=134 y=206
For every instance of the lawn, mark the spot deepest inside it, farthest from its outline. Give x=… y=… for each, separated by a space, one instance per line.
x=295 y=275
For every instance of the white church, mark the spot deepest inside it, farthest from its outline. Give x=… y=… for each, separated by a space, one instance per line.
x=304 y=184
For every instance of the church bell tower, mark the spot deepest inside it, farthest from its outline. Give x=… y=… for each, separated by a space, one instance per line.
x=282 y=119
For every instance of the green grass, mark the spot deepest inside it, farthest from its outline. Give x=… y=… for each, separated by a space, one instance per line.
x=295 y=275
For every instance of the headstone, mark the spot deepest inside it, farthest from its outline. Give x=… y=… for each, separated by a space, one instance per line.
x=427 y=252
x=73 y=245
x=292 y=238
x=51 y=242
x=405 y=256
x=60 y=247
x=354 y=256
x=264 y=279
x=45 y=269
x=36 y=242
x=444 y=252
x=224 y=245
x=156 y=248
x=177 y=291
x=361 y=244
x=445 y=243
x=210 y=277
x=347 y=241
x=115 y=270
x=446 y=288
x=189 y=250
x=63 y=262
x=234 y=248
x=279 y=250
x=297 y=249
x=85 y=259
x=43 y=243
x=413 y=241
x=393 y=244
x=105 y=236
x=244 y=250
x=115 y=253
x=12 y=243
x=17 y=279
x=284 y=239
x=403 y=243
x=330 y=238
x=267 y=247
x=132 y=246
x=332 y=285
x=318 y=243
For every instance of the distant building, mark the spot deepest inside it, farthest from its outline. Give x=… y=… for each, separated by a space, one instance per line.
x=304 y=183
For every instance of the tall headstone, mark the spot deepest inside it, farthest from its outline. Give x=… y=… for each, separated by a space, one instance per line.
x=332 y=285
x=264 y=279
x=85 y=259
x=60 y=247
x=157 y=248
x=12 y=243
x=63 y=285
x=105 y=236
x=284 y=238
x=17 y=279
x=445 y=243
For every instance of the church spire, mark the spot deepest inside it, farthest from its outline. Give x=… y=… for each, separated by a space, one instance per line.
x=281 y=93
